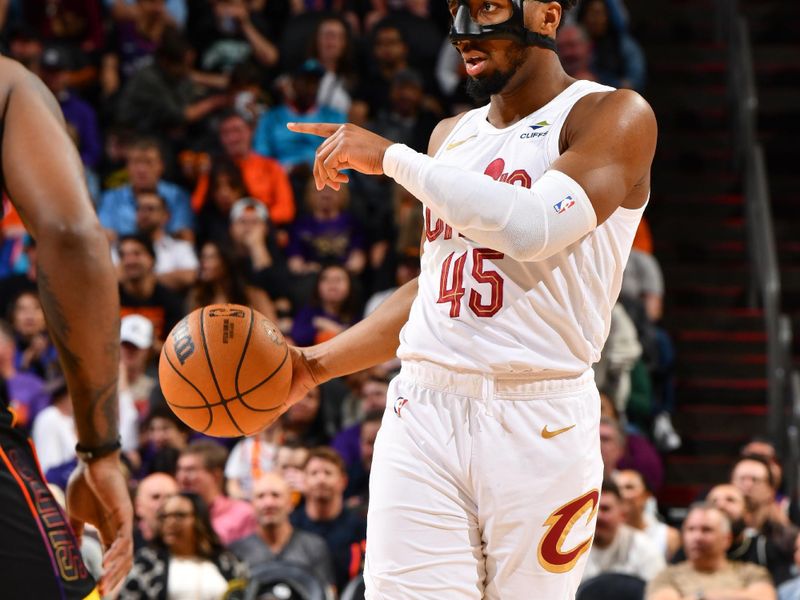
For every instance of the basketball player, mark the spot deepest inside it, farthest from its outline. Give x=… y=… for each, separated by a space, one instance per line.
x=43 y=176
x=487 y=469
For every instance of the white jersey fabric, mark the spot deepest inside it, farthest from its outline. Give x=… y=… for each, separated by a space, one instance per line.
x=477 y=310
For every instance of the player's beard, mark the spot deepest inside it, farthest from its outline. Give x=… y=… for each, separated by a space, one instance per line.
x=481 y=89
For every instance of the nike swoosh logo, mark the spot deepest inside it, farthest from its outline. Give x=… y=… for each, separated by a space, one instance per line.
x=551 y=434
x=457 y=144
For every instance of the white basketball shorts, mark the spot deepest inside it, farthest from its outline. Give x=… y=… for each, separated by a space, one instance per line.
x=482 y=487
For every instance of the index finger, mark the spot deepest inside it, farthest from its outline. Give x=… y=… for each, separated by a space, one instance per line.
x=320 y=129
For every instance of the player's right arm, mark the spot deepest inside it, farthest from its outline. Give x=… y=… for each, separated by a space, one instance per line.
x=78 y=290
x=369 y=342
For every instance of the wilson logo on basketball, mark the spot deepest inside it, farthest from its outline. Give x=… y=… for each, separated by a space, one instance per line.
x=182 y=341
x=552 y=556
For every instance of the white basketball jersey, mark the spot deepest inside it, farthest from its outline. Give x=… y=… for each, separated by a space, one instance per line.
x=479 y=310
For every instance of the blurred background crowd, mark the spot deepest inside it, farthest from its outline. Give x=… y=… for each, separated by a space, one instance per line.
x=179 y=111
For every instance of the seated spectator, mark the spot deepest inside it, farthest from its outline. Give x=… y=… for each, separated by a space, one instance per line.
x=790 y=590
x=12 y=285
x=371 y=398
x=135 y=385
x=754 y=477
x=357 y=492
x=78 y=22
x=404 y=119
x=291 y=462
x=176 y=261
x=612 y=373
x=54 y=429
x=628 y=451
x=139 y=290
x=635 y=498
x=327 y=234
x=175 y=10
x=748 y=545
x=225 y=188
x=201 y=470
x=332 y=308
x=707 y=572
x=257 y=252
x=249 y=459
x=618 y=60
x=27 y=395
x=145 y=166
x=161 y=97
x=389 y=56
x=26 y=46
x=575 y=52
x=276 y=538
x=233 y=33
x=324 y=513
x=220 y=281
x=79 y=114
x=147 y=500
x=35 y=351
x=617 y=547
x=264 y=177
x=303 y=423
x=407 y=269
x=186 y=560
x=332 y=46
x=165 y=437
x=138 y=26
x=295 y=151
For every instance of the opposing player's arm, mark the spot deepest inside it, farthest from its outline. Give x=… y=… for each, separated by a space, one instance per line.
x=44 y=179
x=610 y=144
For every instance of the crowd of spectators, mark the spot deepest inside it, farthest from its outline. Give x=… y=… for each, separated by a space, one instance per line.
x=179 y=111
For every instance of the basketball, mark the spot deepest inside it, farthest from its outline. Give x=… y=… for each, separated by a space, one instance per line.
x=225 y=370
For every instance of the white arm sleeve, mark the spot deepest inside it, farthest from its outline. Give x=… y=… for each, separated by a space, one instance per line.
x=525 y=224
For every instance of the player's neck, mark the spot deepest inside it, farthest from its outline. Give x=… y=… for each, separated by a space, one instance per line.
x=533 y=86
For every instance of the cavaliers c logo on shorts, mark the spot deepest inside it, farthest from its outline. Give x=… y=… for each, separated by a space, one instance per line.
x=552 y=556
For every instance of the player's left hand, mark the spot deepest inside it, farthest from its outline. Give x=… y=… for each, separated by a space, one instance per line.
x=98 y=494
x=345 y=147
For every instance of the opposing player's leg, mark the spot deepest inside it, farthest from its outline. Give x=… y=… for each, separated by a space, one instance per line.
x=538 y=473
x=39 y=557
x=422 y=531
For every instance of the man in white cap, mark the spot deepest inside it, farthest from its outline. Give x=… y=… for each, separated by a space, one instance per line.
x=135 y=385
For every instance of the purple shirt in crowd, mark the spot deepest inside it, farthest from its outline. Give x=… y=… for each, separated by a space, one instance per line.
x=325 y=241
x=82 y=117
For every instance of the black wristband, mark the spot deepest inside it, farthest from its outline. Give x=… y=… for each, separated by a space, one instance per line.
x=89 y=454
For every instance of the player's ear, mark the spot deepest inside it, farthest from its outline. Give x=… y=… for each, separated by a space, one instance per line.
x=543 y=17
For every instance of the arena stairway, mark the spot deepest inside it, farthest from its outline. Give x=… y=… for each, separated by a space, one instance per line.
x=697 y=217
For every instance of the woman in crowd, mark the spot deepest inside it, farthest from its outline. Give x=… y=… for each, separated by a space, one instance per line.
x=221 y=282
x=35 y=352
x=618 y=60
x=226 y=186
x=333 y=308
x=186 y=561
x=332 y=46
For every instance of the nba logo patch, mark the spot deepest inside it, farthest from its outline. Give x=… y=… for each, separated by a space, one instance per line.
x=564 y=205
x=399 y=404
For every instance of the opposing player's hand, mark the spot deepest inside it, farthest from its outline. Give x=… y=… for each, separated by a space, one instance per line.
x=98 y=494
x=345 y=147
